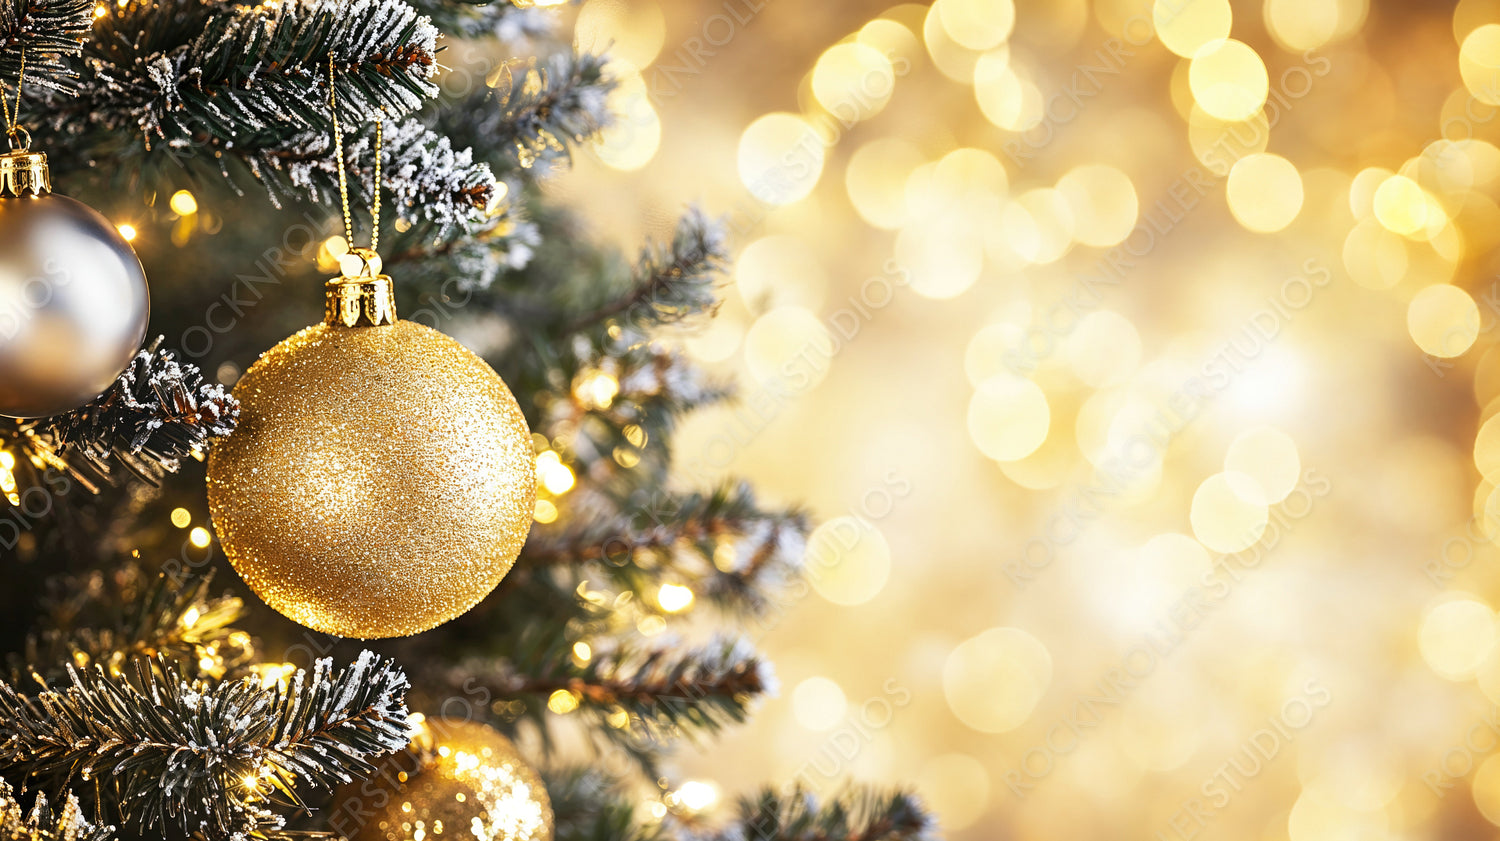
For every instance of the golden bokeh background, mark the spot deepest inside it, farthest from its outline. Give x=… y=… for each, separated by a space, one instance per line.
x=1138 y=359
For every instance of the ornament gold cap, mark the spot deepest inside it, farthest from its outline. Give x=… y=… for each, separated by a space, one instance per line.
x=24 y=173
x=360 y=296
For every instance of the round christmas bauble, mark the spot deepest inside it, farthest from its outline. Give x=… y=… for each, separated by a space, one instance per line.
x=381 y=480
x=73 y=298
x=460 y=780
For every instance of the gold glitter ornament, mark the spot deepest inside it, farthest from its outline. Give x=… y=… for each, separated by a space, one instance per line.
x=381 y=480
x=460 y=780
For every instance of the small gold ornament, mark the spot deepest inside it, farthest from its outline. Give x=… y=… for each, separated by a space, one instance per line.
x=381 y=480
x=459 y=780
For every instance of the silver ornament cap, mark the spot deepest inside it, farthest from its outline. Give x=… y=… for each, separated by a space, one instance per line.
x=73 y=298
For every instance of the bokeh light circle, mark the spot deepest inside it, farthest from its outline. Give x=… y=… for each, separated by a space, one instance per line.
x=993 y=681
x=780 y=158
x=1264 y=192
x=1443 y=320
x=1009 y=417
x=1229 y=512
x=1229 y=80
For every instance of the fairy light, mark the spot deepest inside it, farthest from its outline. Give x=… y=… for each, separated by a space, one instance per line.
x=181 y=518
x=562 y=702
x=596 y=390
x=128 y=231
x=183 y=203
x=696 y=795
x=199 y=537
x=8 y=477
x=545 y=512
x=674 y=598
x=555 y=477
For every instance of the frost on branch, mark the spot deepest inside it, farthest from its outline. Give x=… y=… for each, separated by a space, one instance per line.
x=40 y=824
x=158 y=412
x=158 y=752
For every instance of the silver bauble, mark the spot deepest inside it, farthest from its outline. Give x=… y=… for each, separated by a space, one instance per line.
x=73 y=299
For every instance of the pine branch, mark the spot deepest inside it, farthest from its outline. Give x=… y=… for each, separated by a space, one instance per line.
x=669 y=690
x=422 y=176
x=722 y=544
x=163 y=753
x=855 y=815
x=41 y=825
x=45 y=31
x=239 y=79
x=671 y=282
x=158 y=412
x=589 y=806
x=248 y=93
x=535 y=113
x=499 y=19
x=111 y=619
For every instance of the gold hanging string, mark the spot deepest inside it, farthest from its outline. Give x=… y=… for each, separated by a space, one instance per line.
x=13 y=114
x=338 y=151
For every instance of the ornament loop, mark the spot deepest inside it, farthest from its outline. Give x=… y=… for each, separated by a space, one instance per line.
x=18 y=133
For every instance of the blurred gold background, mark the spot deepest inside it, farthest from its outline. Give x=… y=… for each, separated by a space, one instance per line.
x=1137 y=357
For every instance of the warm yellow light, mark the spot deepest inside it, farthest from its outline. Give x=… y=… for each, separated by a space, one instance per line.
x=1479 y=63
x=697 y=796
x=1229 y=512
x=976 y=24
x=633 y=138
x=1103 y=204
x=1006 y=98
x=1403 y=207
x=789 y=344
x=1455 y=636
x=1104 y=349
x=545 y=512
x=1300 y=25
x=596 y=390
x=1185 y=26
x=7 y=461
x=557 y=479
x=848 y=560
x=1264 y=192
x=100 y=10
x=582 y=652
x=562 y=702
x=876 y=180
x=674 y=598
x=1269 y=456
x=1008 y=417
x=1229 y=80
x=853 y=81
x=1375 y=257
x=181 y=517
x=199 y=537
x=128 y=232
x=780 y=269
x=1443 y=320
x=993 y=681
x=819 y=704
x=183 y=203
x=780 y=158
x=190 y=617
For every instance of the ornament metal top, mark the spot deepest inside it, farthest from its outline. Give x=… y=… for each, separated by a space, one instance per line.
x=76 y=302
x=24 y=172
